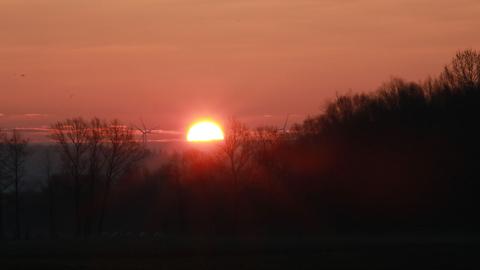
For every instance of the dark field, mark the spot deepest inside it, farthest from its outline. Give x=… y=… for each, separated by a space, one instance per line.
x=399 y=252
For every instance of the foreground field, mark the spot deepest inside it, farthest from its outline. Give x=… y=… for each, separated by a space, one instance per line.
x=285 y=253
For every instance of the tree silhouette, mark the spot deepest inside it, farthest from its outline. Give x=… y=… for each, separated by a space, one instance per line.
x=5 y=181
x=72 y=137
x=48 y=166
x=463 y=72
x=266 y=143
x=14 y=166
x=121 y=152
x=237 y=147
x=96 y=136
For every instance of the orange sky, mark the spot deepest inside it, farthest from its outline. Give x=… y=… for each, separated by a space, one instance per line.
x=169 y=61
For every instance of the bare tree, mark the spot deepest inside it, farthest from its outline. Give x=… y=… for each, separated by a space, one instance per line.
x=463 y=71
x=51 y=192
x=96 y=161
x=16 y=155
x=266 y=140
x=237 y=147
x=72 y=137
x=5 y=182
x=121 y=152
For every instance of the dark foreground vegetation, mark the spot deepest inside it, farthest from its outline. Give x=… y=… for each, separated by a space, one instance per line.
x=412 y=252
x=398 y=163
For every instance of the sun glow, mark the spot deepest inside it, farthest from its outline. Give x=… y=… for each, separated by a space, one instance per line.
x=205 y=131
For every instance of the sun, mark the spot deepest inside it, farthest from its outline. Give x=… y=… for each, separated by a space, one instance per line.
x=205 y=131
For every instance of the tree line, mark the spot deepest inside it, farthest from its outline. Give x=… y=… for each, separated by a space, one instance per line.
x=401 y=158
x=94 y=154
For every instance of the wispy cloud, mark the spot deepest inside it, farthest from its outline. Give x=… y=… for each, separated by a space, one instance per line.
x=167 y=140
x=33 y=129
x=163 y=131
x=20 y=116
x=39 y=134
x=34 y=115
x=47 y=129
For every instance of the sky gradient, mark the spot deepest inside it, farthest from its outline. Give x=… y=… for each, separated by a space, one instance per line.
x=171 y=61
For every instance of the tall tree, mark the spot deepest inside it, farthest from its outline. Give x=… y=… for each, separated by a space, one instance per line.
x=5 y=182
x=121 y=152
x=237 y=147
x=464 y=71
x=96 y=162
x=72 y=137
x=16 y=155
x=51 y=193
x=266 y=141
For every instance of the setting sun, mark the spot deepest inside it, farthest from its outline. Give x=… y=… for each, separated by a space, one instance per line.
x=205 y=131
